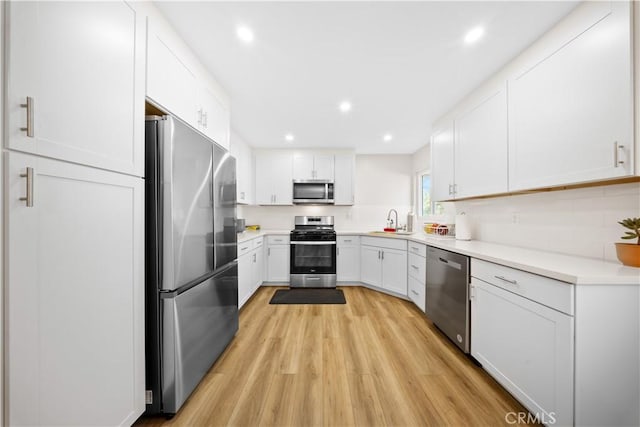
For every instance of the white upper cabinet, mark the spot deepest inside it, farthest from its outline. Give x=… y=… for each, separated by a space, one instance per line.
x=303 y=166
x=442 y=156
x=170 y=82
x=179 y=84
x=244 y=169
x=274 y=182
x=75 y=78
x=313 y=166
x=565 y=116
x=343 y=187
x=214 y=118
x=323 y=166
x=570 y=102
x=481 y=145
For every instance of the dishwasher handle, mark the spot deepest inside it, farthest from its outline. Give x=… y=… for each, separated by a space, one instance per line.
x=450 y=263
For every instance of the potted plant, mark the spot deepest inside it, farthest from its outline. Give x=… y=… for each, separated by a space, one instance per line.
x=629 y=253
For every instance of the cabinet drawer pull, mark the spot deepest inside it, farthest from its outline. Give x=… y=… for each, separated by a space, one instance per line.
x=245 y=248
x=504 y=279
x=29 y=107
x=413 y=248
x=414 y=292
x=413 y=266
x=29 y=197
x=347 y=240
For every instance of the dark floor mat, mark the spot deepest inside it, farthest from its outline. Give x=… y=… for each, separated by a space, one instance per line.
x=308 y=296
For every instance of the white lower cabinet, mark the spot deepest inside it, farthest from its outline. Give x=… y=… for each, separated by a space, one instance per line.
x=74 y=294
x=417 y=277
x=278 y=253
x=348 y=259
x=250 y=269
x=527 y=347
x=383 y=263
x=257 y=269
x=245 y=273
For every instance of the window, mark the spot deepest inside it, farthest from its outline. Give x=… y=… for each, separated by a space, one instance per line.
x=425 y=205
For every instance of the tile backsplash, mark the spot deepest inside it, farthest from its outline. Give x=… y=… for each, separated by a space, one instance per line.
x=581 y=222
x=347 y=218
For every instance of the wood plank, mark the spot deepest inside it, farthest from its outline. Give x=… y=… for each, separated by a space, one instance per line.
x=376 y=360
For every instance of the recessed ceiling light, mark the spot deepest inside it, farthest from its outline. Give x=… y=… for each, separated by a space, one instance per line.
x=289 y=137
x=245 y=34
x=387 y=137
x=345 y=106
x=474 y=35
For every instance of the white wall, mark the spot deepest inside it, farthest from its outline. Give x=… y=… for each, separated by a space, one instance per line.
x=579 y=222
x=382 y=182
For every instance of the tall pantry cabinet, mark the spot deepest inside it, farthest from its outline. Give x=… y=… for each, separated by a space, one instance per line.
x=74 y=205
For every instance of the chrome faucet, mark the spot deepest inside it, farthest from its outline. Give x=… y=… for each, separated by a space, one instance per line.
x=389 y=219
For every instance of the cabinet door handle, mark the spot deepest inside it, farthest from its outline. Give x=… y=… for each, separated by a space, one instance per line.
x=254 y=257
x=242 y=194
x=29 y=197
x=200 y=112
x=455 y=189
x=616 y=151
x=337 y=251
x=504 y=279
x=268 y=251
x=378 y=254
x=204 y=119
x=29 y=107
x=382 y=254
x=450 y=189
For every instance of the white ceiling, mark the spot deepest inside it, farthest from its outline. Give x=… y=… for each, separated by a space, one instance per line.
x=401 y=64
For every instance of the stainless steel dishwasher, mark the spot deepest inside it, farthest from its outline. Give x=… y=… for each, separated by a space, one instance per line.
x=447 y=296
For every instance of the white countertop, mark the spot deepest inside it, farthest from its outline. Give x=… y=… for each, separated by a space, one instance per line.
x=571 y=269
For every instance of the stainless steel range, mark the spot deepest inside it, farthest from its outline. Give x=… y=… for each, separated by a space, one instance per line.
x=313 y=252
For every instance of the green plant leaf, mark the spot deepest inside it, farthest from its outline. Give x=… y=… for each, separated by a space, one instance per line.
x=630 y=233
x=628 y=237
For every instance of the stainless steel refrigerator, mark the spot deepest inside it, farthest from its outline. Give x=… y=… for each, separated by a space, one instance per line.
x=191 y=259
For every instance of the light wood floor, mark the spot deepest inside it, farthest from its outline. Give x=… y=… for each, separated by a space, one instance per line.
x=376 y=361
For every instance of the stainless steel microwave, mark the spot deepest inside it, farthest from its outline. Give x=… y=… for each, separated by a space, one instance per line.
x=313 y=192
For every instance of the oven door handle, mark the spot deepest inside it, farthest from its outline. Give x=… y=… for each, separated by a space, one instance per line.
x=313 y=243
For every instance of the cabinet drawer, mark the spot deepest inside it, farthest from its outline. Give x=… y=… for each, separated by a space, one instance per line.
x=257 y=243
x=348 y=240
x=277 y=240
x=417 y=248
x=417 y=267
x=417 y=292
x=552 y=293
x=244 y=247
x=382 y=242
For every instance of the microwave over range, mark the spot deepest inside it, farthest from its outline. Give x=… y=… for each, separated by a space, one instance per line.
x=314 y=192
